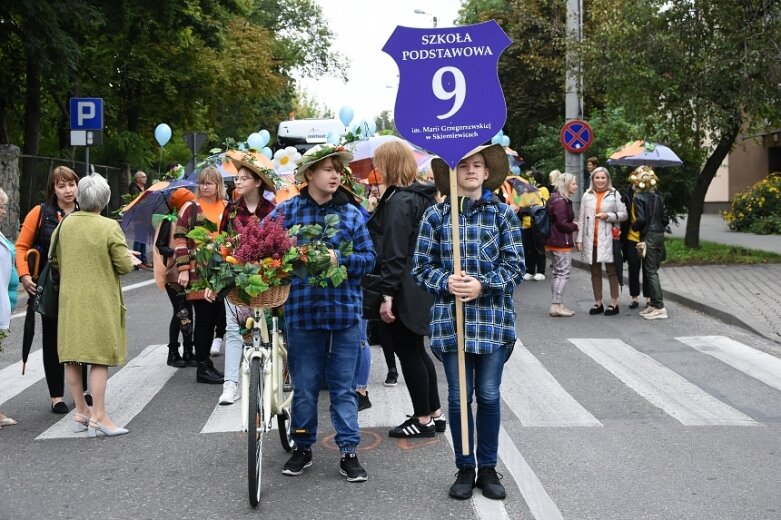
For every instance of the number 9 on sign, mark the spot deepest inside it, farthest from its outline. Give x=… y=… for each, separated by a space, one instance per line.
x=458 y=94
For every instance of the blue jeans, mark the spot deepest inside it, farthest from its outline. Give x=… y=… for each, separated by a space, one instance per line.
x=233 y=344
x=483 y=378
x=364 y=364
x=313 y=355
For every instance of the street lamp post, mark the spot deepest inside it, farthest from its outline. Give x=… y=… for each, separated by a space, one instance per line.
x=434 y=18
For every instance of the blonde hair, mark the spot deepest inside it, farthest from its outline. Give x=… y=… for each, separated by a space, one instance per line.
x=561 y=181
x=553 y=175
x=600 y=169
x=396 y=164
x=211 y=174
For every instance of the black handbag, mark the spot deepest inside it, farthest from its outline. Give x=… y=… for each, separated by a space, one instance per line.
x=372 y=297
x=47 y=290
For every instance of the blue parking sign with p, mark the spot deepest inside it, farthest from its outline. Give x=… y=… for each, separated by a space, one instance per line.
x=86 y=113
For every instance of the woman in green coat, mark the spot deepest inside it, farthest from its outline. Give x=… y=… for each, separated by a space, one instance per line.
x=91 y=327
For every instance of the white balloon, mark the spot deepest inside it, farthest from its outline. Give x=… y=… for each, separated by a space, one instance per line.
x=255 y=141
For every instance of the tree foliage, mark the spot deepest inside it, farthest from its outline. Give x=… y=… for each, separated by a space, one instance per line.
x=220 y=67
x=697 y=73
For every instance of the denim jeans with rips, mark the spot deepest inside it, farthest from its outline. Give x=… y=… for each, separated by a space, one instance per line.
x=483 y=379
x=333 y=355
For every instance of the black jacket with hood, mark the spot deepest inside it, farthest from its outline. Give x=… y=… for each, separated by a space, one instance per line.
x=394 y=227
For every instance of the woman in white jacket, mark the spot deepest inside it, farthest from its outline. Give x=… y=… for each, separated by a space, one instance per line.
x=601 y=208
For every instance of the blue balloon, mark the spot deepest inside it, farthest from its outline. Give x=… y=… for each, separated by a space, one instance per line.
x=516 y=170
x=497 y=139
x=265 y=137
x=242 y=146
x=255 y=141
x=346 y=115
x=163 y=134
x=505 y=141
x=266 y=151
x=372 y=126
x=332 y=138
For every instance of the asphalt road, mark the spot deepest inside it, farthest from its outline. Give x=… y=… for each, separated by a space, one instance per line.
x=603 y=418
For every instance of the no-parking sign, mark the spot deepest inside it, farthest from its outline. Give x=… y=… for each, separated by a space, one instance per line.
x=576 y=136
x=450 y=99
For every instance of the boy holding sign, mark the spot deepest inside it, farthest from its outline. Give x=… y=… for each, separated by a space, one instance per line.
x=492 y=265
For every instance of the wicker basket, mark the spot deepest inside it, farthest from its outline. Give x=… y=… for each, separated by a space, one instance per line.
x=273 y=297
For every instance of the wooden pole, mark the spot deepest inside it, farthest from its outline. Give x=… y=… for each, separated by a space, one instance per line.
x=459 y=312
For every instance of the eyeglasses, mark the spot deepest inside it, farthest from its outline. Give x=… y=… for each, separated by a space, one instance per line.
x=241 y=179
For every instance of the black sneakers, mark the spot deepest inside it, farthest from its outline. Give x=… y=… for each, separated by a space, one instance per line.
x=488 y=481
x=352 y=469
x=393 y=377
x=297 y=462
x=412 y=428
x=465 y=481
x=363 y=401
x=440 y=423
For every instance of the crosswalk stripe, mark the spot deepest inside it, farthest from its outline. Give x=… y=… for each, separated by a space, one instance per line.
x=390 y=404
x=540 y=503
x=662 y=387
x=535 y=396
x=12 y=382
x=750 y=361
x=128 y=391
x=225 y=418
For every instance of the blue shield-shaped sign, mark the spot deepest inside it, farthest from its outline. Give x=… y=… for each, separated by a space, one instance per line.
x=449 y=99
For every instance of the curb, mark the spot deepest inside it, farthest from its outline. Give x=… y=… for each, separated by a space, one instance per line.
x=698 y=306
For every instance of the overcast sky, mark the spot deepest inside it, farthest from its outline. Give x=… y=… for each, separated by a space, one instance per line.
x=362 y=27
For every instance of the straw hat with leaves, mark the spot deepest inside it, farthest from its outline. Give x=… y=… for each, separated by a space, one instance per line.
x=495 y=161
x=316 y=154
x=258 y=164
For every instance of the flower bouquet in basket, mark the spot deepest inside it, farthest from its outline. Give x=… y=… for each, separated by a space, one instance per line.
x=314 y=260
x=252 y=267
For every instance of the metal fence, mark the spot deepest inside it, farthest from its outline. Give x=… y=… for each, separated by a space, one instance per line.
x=35 y=190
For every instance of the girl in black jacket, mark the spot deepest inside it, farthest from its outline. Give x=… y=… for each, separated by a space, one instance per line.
x=406 y=309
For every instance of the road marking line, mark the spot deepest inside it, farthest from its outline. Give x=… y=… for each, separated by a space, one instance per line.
x=390 y=404
x=752 y=362
x=662 y=387
x=540 y=503
x=225 y=418
x=128 y=391
x=125 y=288
x=12 y=382
x=535 y=396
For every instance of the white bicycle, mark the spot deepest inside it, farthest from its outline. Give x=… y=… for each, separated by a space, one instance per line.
x=267 y=390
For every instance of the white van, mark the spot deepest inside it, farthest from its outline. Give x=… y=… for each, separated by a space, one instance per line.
x=305 y=133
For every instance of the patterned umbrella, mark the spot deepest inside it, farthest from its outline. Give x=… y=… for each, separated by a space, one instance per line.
x=363 y=153
x=137 y=214
x=643 y=153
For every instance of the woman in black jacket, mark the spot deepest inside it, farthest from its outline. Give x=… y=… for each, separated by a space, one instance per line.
x=560 y=241
x=406 y=308
x=650 y=221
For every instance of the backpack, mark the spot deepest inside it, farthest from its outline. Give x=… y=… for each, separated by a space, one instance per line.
x=540 y=221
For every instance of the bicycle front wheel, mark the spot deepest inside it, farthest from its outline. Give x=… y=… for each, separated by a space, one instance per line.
x=255 y=431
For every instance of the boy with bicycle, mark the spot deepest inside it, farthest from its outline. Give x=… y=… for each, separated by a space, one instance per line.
x=323 y=322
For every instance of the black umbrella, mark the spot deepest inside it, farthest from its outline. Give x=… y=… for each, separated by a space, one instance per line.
x=33 y=262
x=618 y=260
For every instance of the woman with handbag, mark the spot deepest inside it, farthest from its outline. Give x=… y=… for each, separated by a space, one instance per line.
x=601 y=208
x=36 y=233
x=91 y=254
x=406 y=308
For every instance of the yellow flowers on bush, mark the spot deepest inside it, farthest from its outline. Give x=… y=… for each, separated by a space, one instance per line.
x=758 y=209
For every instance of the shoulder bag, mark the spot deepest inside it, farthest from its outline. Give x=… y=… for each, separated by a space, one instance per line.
x=47 y=297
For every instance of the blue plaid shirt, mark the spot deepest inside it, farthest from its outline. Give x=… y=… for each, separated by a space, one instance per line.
x=329 y=308
x=492 y=252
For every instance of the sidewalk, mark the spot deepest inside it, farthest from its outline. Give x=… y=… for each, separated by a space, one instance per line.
x=745 y=295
